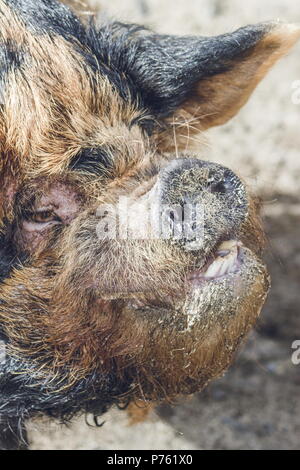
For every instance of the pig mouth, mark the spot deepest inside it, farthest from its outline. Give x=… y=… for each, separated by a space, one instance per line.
x=225 y=266
x=226 y=260
x=217 y=290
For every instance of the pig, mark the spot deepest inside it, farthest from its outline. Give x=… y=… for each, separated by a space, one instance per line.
x=130 y=268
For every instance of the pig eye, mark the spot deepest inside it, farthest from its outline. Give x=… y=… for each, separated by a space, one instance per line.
x=43 y=217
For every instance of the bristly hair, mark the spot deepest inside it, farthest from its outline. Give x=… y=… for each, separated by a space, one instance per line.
x=144 y=67
x=90 y=114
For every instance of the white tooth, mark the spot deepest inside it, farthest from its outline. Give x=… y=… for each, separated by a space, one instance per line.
x=218 y=270
x=228 y=245
x=225 y=267
x=212 y=270
x=223 y=253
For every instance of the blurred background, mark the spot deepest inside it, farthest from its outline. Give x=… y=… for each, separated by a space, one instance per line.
x=256 y=404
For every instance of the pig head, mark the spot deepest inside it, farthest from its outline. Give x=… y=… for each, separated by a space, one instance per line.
x=110 y=288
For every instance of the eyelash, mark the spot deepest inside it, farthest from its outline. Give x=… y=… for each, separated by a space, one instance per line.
x=43 y=217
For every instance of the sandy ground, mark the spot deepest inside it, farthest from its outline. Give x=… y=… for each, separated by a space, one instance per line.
x=256 y=405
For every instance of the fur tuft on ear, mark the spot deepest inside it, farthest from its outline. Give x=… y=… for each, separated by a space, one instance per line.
x=219 y=98
x=203 y=80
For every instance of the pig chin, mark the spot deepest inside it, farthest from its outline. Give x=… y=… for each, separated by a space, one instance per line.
x=232 y=283
x=189 y=343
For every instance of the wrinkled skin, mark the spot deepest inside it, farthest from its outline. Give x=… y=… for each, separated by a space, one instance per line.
x=90 y=116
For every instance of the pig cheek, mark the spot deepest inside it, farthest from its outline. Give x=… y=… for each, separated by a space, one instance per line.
x=30 y=240
x=10 y=193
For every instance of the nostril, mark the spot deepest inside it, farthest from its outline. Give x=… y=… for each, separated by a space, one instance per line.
x=219 y=187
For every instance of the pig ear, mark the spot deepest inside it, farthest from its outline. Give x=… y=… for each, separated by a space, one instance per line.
x=206 y=80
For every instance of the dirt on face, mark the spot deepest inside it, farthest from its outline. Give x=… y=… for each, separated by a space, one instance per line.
x=115 y=319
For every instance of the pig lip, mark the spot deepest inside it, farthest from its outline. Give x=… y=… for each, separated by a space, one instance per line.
x=226 y=261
